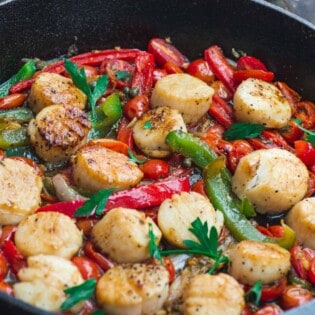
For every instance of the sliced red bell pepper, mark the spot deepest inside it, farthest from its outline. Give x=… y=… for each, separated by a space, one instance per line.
x=305 y=152
x=125 y=133
x=14 y=257
x=21 y=86
x=250 y=63
x=242 y=75
x=141 y=197
x=220 y=66
x=143 y=75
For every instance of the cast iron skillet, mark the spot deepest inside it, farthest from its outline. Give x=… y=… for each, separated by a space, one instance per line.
x=46 y=29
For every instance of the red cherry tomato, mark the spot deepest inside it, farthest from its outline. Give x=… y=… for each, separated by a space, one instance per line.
x=247 y=311
x=305 y=152
x=199 y=68
x=171 y=68
x=158 y=74
x=291 y=132
x=221 y=90
x=90 y=71
x=85 y=225
x=87 y=267
x=240 y=148
x=299 y=261
x=270 y=309
x=273 y=291
x=136 y=106
x=12 y=101
x=311 y=272
x=250 y=63
x=125 y=133
x=221 y=111
x=199 y=187
x=3 y=266
x=6 y=288
x=295 y=296
x=306 y=112
x=155 y=169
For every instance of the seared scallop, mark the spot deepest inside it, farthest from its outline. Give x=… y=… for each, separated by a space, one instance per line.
x=251 y=261
x=189 y=95
x=43 y=281
x=150 y=131
x=257 y=101
x=20 y=189
x=96 y=167
x=273 y=180
x=51 y=88
x=58 y=131
x=176 y=215
x=219 y=294
x=49 y=233
x=137 y=289
x=301 y=218
x=123 y=234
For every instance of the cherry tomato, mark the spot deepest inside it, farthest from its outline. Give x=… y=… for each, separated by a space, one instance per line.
x=221 y=111
x=221 y=90
x=311 y=272
x=158 y=74
x=136 y=106
x=90 y=71
x=199 y=68
x=171 y=68
x=295 y=296
x=270 y=309
x=87 y=267
x=3 y=266
x=7 y=233
x=305 y=152
x=199 y=187
x=299 y=261
x=247 y=311
x=239 y=149
x=12 y=101
x=85 y=225
x=111 y=144
x=155 y=169
x=6 y=288
x=250 y=63
x=291 y=132
x=125 y=133
x=164 y=51
x=273 y=291
x=306 y=112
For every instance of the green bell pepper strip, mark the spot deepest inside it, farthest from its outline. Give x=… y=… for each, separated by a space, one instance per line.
x=12 y=135
x=19 y=115
x=24 y=151
x=218 y=188
x=26 y=72
x=107 y=114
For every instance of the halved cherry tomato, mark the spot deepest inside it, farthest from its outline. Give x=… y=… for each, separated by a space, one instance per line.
x=6 y=288
x=136 y=106
x=158 y=74
x=85 y=225
x=199 y=68
x=90 y=71
x=104 y=262
x=250 y=63
x=305 y=152
x=239 y=149
x=306 y=112
x=272 y=230
x=29 y=162
x=7 y=233
x=221 y=90
x=242 y=75
x=111 y=144
x=155 y=169
x=247 y=311
x=221 y=111
x=125 y=133
x=199 y=187
x=88 y=268
x=4 y=268
x=171 y=68
x=270 y=309
x=12 y=101
x=273 y=291
x=301 y=260
x=164 y=51
x=291 y=132
x=311 y=272
x=294 y=296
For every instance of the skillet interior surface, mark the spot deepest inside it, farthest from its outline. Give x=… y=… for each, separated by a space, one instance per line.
x=45 y=29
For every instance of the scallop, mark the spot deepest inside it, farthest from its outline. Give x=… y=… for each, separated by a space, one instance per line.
x=58 y=131
x=20 y=189
x=51 y=89
x=50 y=233
x=251 y=261
x=257 y=101
x=150 y=131
x=273 y=180
x=189 y=95
x=133 y=289
x=175 y=216
x=96 y=167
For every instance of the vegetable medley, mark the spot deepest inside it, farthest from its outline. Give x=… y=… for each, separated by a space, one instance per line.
x=139 y=182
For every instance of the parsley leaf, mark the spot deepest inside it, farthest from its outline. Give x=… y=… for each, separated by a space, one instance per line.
x=96 y=203
x=122 y=75
x=78 y=293
x=243 y=131
x=134 y=159
x=254 y=294
x=79 y=79
x=153 y=248
x=147 y=125
x=310 y=135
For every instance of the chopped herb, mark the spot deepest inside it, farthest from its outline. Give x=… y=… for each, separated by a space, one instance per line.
x=134 y=159
x=310 y=135
x=98 y=312
x=147 y=125
x=122 y=75
x=80 y=81
x=254 y=294
x=243 y=131
x=96 y=204
x=207 y=246
x=247 y=208
x=78 y=293
x=153 y=248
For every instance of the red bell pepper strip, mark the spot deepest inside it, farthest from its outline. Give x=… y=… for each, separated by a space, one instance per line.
x=14 y=257
x=250 y=63
x=125 y=133
x=220 y=66
x=141 y=197
x=21 y=86
x=143 y=75
x=242 y=75
x=305 y=152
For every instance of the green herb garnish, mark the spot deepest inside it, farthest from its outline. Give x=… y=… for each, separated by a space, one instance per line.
x=78 y=293
x=310 y=135
x=243 y=131
x=147 y=125
x=254 y=294
x=98 y=312
x=79 y=79
x=96 y=204
x=134 y=159
x=207 y=246
x=122 y=75
x=153 y=248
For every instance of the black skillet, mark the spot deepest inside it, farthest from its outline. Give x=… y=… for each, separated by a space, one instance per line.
x=45 y=29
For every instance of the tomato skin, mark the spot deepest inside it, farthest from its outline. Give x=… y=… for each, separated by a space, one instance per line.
x=199 y=187
x=306 y=112
x=125 y=133
x=171 y=68
x=87 y=267
x=221 y=111
x=247 y=311
x=4 y=268
x=305 y=152
x=90 y=71
x=85 y=225
x=250 y=63
x=199 y=68
x=6 y=288
x=294 y=296
x=274 y=291
x=221 y=90
x=155 y=169
x=270 y=309
x=240 y=148
x=292 y=132
x=136 y=106
x=311 y=272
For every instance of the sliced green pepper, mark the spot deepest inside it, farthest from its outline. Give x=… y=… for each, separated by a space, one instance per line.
x=24 y=151
x=12 y=135
x=218 y=188
x=26 y=72
x=107 y=114
x=20 y=115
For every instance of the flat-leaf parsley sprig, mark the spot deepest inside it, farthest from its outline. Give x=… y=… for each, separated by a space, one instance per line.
x=243 y=131
x=153 y=248
x=310 y=135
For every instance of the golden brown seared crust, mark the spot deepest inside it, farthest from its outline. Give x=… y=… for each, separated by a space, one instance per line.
x=58 y=131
